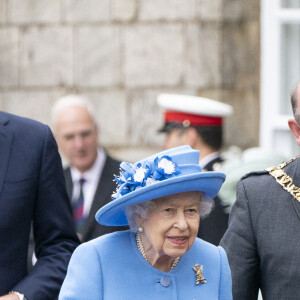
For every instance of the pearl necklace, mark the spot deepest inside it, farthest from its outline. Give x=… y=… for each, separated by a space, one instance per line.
x=142 y=251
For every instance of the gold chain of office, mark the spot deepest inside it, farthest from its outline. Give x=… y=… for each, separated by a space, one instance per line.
x=285 y=180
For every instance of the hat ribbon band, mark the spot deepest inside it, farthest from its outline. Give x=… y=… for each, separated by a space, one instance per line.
x=191 y=119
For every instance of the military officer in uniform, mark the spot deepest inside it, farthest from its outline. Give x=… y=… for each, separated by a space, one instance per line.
x=263 y=238
x=198 y=122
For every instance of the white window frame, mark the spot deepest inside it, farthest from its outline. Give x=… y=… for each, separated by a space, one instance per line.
x=272 y=17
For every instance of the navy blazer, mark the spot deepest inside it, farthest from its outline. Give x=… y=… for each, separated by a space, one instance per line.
x=32 y=190
x=106 y=186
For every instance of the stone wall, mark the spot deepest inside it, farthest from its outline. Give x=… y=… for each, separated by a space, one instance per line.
x=123 y=53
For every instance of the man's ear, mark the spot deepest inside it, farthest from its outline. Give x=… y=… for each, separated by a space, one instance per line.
x=295 y=129
x=192 y=136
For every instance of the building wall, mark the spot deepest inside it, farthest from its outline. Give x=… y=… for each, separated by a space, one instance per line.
x=123 y=53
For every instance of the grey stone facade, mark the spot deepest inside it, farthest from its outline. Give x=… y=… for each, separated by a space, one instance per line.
x=123 y=53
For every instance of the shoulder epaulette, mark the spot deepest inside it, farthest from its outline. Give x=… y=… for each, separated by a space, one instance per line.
x=254 y=173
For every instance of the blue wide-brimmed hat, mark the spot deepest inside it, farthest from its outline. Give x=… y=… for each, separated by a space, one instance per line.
x=169 y=172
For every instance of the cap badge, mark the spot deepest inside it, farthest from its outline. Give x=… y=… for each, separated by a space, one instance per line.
x=186 y=123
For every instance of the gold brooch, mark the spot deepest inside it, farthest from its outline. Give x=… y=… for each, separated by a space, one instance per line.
x=198 y=270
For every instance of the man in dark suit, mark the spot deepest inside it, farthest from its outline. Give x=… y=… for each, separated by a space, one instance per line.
x=197 y=122
x=32 y=191
x=263 y=241
x=76 y=133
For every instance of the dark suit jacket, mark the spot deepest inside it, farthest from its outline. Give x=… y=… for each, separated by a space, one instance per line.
x=263 y=238
x=105 y=188
x=213 y=227
x=32 y=190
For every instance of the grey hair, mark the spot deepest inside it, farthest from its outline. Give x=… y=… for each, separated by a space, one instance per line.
x=206 y=206
x=294 y=102
x=142 y=210
x=69 y=101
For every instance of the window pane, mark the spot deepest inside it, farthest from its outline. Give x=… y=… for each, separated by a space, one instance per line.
x=290 y=3
x=290 y=64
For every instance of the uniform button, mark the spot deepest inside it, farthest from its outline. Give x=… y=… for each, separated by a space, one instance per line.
x=165 y=281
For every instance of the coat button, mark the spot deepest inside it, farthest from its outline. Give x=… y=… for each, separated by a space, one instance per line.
x=165 y=281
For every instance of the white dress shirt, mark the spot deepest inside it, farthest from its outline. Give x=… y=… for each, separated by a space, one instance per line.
x=91 y=177
x=208 y=158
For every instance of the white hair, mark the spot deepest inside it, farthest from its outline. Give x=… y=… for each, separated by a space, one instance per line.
x=206 y=205
x=142 y=210
x=69 y=101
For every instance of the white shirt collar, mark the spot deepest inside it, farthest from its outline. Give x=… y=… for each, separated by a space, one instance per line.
x=92 y=177
x=208 y=158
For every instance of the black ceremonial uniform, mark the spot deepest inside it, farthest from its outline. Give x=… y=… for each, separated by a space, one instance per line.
x=263 y=238
x=213 y=227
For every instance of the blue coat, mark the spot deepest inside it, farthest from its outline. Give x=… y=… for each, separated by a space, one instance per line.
x=111 y=267
x=32 y=190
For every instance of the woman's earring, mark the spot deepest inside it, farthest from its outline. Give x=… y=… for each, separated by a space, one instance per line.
x=141 y=229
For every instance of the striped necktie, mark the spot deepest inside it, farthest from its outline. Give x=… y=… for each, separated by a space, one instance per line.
x=78 y=207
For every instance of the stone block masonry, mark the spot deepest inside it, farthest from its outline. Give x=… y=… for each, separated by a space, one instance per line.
x=123 y=53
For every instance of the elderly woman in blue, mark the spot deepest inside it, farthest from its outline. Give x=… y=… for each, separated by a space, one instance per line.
x=162 y=198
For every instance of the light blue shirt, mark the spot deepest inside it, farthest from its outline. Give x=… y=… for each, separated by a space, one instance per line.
x=111 y=267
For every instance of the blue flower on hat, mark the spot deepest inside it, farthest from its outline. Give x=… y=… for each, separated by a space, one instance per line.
x=133 y=177
x=164 y=168
x=141 y=174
